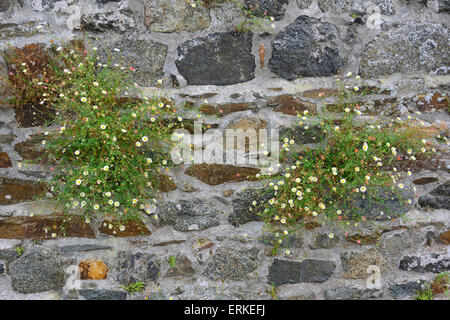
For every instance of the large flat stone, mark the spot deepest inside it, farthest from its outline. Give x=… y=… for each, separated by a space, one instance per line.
x=25 y=227
x=409 y=48
x=308 y=270
x=215 y=174
x=306 y=48
x=217 y=59
x=175 y=16
x=17 y=190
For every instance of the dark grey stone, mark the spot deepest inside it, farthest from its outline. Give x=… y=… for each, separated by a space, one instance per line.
x=431 y=262
x=309 y=270
x=2 y=268
x=323 y=241
x=106 y=1
x=83 y=248
x=304 y=4
x=231 y=263
x=134 y=267
x=291 y=241
x=243 y=202
x=308 y=48
x=4 y=5
x=439 y=5
x=438 y=198
x=352 y=293
x=9 y=255
x=38 y=269
x=182 y=268
x=408 y=48
x=403 y=290
x=381 y=205
x=217 y=59
x=267 y=8
x=103 y=294
x=190 y=215
x=313 y=134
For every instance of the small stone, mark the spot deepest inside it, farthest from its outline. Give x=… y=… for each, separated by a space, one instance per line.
x=38 y=269
x=403 y=290
x=227 y=108
x=5 y=161
x=430 y=262
x=309 y=270
x=186 y=213
x=288 y=104
x=360 y=7
x=139 y=266
x=182 y=268
x=30 y=149
x=83 y=248
x=355 y=264
x=118 y=21
x=229 y=263
x=324 y=241
x=91 y=269
x=439 y=5
x=445 y=237
x=438 y=198
x=425 y=180
x=352 y=293
x=243 y=208
x=103 y=294
x=304 y=4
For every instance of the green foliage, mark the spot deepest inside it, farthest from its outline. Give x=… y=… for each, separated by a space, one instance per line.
x=319 y=184
x=424 y=293
x=172 y=261
x=19 y=250
x=135 y=287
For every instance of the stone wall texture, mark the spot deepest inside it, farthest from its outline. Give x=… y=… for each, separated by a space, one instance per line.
x=258 y=79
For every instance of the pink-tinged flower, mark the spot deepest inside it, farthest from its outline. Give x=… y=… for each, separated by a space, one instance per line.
x=358 y=241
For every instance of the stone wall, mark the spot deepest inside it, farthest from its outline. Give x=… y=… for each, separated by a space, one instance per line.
x=257 y=79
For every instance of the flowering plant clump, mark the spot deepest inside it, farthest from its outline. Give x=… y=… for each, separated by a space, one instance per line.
x=108 y=148
x=356 y=160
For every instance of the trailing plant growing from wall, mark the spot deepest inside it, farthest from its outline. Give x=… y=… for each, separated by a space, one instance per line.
x=107 y=147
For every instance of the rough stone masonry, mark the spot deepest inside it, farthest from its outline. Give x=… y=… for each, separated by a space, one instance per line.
x=221 y=250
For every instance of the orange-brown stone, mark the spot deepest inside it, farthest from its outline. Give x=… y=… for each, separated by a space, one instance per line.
x=17 y=190
x=215 y=174
x=290 y=105
x=133 y=228
x=224 y=109
x=5 y=161
x=44 y=227
x=91 y=269
x=445 y=237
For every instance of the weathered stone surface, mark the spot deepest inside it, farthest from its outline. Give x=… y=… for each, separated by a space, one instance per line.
x=355 y=264
x=429 y=102
x=146 y=57
x=166 y=236
x=38 y=269
x=132 y=228
x=227 y=108
x=182 y=268
x=31 y=149
x=5 y=160
x=445 y=237
x=190 y=215
x=217 y=59
x=118 y=21
x=9 y=255
x=304 y=4
x=139 y=266
x=323 y=241
x=290 y=105
x=2 y=268
x=438 y=198
x=431 y=262
x=352 y=293
x=439 y=5
x=387 y=204
x=91 y=269
x=309 y=270
x=7 y=138
x=403 y=290
x=44 y=227
x=229 y=263
x=175 y=16
x=307 y=48
x=4 y=6
x=424 y=49
x=267 y=8
x=425 y=180
x=83 y=248
x=301 y=135
x=395 y=242
x=103 y=294
x=291 y=241
x=357 y=6
x=243 y=208
x=165 y=183
x=215 y=174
